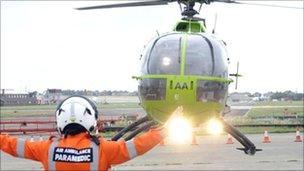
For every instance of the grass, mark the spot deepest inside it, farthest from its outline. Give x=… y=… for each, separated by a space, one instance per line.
x=280 y=103
x=247 y=120
x=257 y=112
x=278 y=108
x=32 y=110
x=48 y=110
x=119 y=105
x=29 y=107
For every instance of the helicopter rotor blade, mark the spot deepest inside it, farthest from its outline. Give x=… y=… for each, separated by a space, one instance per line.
x=246 y=3
x=130 y=4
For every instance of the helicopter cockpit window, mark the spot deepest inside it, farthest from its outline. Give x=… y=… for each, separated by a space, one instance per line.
x=210 y=91
x=152 y=89
x=220 y=58
x=199 y=59
x=164 y=57
x=205 y=57
x=145 y=56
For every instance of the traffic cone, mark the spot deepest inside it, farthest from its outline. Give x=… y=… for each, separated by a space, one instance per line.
x=162 y=142
x=32 y=139
x=194 y=140
x=298 y=136
x=229 y=140
x=266 y=137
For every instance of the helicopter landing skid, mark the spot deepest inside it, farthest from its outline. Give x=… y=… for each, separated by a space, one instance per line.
x=249 y=147
x=145 y=123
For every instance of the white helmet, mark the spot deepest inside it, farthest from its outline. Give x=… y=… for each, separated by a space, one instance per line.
x=76 y=110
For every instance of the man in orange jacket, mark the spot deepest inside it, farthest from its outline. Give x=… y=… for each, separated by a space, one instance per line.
x=77 y=149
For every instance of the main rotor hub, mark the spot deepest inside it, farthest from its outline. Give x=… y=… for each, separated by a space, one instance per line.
x=189 y=11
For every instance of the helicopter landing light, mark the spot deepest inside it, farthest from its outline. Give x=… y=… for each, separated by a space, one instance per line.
x=214 y=127
x=166 y=61
x=180 y=130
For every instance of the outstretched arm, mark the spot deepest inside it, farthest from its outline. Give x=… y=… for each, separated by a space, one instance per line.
x=121 y=151
x=19 y=147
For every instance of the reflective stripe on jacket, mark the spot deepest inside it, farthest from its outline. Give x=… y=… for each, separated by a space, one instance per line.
x=79 y=152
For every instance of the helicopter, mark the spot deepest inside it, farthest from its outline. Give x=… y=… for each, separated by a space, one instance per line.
x=186 y=67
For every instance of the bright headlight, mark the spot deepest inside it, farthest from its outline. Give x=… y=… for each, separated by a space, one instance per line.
x=214 y=127
x=180 y=130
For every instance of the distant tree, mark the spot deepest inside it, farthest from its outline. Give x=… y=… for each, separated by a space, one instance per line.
x=287 y=95
x=257 y=94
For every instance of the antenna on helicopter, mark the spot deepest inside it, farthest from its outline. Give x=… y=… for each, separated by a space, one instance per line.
x=199 y=10
x=180 y=6
x=215 y=21
x=236 y=75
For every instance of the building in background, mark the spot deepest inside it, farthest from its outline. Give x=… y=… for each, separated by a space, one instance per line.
x=10 y=99
x=51 y=96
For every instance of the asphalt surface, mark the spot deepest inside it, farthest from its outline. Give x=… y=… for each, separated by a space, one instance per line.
x=211 y=154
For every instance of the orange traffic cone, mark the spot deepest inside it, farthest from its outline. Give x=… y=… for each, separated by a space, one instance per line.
x=229 y=140
x=194 y=140
x=162 y=143
x=298 y=136
x=266 y=137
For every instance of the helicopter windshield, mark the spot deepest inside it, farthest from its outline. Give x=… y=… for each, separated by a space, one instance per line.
x=199 y=59
x=205 y=56
x=163 y=57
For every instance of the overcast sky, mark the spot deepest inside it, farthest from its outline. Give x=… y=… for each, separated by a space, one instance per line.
x=48 y=44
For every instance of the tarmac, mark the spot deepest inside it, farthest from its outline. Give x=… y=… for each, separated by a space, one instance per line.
x=211 y=153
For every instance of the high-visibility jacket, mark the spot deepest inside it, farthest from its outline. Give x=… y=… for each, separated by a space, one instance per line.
x=79 y=152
